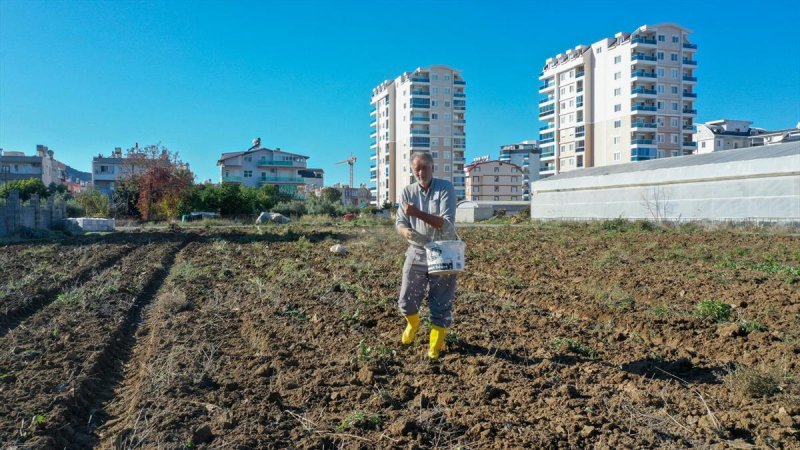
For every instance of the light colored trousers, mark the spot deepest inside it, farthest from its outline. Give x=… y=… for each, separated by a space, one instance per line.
x=441 y=289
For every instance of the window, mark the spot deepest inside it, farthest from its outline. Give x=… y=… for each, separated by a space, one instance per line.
x=447 y=78
x=703 y=144
x=435 y=76
x=616 y=156
x=674 y=122
x=563 y=91
x=599 y=50
x=617 y=139
x=662 y=38
x=659 y=105
x=497 y=169
x=674 y=73
x=446 y=104
x=673 y=89
x=673 y=56
x=496 y=180
x=447 y=168
x=617 y=75
x=674 y=153
x=434 y=155
x=674 y=106
x=434 y=116
x=617 y=59
x=447 y=91
x=248 y=173
x=660 y=138
x=435 y=167
x=674 y=39
x=617 y=123
x=562 y=77
x=571 y=88
x=660 y=55
x=617 y=91
x=660 y=121
x=673 y=138
x=660 y=72
x=248 y=158
x=434 y=103
x=617 y=107
x=563 y=105
x=447 y=156
x=572 y=103
x=660 y=88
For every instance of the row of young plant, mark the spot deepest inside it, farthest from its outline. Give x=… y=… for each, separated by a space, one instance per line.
x=62 y=353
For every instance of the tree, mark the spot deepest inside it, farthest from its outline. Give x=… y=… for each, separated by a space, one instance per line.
x=26 y=188
x=94 y=203
x=330 y=195
x=161 y=180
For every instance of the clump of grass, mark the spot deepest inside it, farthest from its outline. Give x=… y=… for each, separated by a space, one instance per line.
x=713 y=309
x=295 y=313
x=175 y=301
x=452 y=338
x=754 y=382
x=366 y=353
x=360 y=419
x=615 y=298
x=303 y=244
x=71 y=297
x=184 y=271
x=662 y=311
x=563 y=345
x=748 y=326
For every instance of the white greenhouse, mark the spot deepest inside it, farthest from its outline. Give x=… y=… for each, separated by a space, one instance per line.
x=760 y=184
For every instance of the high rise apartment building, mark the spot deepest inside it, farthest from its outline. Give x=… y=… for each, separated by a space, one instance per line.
x=419 y=111
x=526 y=156
x=627 y=98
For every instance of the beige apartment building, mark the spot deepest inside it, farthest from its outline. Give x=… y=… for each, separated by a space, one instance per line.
x=419 y=111
x=15 y=166
x=627 y=98
x=494 y=181
x=259 y=166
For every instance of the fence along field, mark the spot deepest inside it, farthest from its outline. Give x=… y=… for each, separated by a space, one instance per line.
x=618 y=335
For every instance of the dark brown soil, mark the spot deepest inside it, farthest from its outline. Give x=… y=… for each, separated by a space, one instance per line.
x=564 y=336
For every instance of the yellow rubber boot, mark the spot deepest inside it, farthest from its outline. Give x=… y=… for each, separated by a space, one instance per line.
x=438 y=335
x=411 y=329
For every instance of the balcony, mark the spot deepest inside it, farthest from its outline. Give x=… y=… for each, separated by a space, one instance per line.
x=690 y=94
x=459 y=121
x=459 y=82
x=689 y=144
x=546 y=111
x=271 y=162
x=689 y=78
x=546 y=140
x=641 y=107
x=641 y=142
x=689 y=111
x=264 y=180
x=232 y=179
x=689 y=62
x=420 y=119
x=373 y=124
x=459 y=133
x=690 y=46
x=420 y=79
x=459 y=94
x=373 y=112
x=689 y=128
x=420 y=92
x=420 y=103
x=643 y=91
x=372 y=168
x=642 y=41
x=643 y=153
x=643 y=74
x=580 y=131
x=639 y=57
x=547 y=86
x=373 y=145
x=580 y=74
x=422 y=132
x=547 y=127
x=643 y=124
x=545 y=100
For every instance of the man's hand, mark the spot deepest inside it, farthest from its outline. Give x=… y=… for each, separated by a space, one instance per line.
x=411 y=210
x=407 y=233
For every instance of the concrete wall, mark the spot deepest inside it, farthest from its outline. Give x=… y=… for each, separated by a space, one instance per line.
x=766 y=189
x=36 y=214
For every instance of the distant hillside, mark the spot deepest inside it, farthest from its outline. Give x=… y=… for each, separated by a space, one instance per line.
x=75 y=173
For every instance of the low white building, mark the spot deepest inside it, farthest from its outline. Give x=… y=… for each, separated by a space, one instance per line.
x=260 y=166
x=752 y=184
x=727 y=134
x=16 y=165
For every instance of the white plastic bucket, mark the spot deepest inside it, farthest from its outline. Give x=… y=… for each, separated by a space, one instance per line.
x=445 y=257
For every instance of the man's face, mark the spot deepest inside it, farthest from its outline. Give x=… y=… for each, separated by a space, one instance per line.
x=422 y=171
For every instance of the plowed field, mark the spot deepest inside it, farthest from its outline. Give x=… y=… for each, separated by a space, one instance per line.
x=565 y=336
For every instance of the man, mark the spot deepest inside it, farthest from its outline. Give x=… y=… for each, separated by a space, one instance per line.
x=427 y=210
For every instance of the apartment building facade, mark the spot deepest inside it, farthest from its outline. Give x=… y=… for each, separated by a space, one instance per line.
x=259 y=166
x=108 y=170
x=526 y=156
x=15 y=165
x=727 y=134
x=419 y=111
x=494 y=181
x=627 y=98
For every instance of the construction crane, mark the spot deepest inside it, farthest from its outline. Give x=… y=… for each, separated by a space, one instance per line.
x=351 y=161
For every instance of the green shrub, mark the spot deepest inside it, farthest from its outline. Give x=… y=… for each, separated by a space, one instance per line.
x=360 y=419
x=713 y=309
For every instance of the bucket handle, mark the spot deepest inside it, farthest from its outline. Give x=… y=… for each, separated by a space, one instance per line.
x=438 y=231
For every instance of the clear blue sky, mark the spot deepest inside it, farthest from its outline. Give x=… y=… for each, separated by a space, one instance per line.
x=205 y=77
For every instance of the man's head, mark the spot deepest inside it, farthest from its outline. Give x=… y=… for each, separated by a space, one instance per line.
x=422 y=168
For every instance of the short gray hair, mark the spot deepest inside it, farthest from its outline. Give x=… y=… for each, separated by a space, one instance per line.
x=422 y=155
